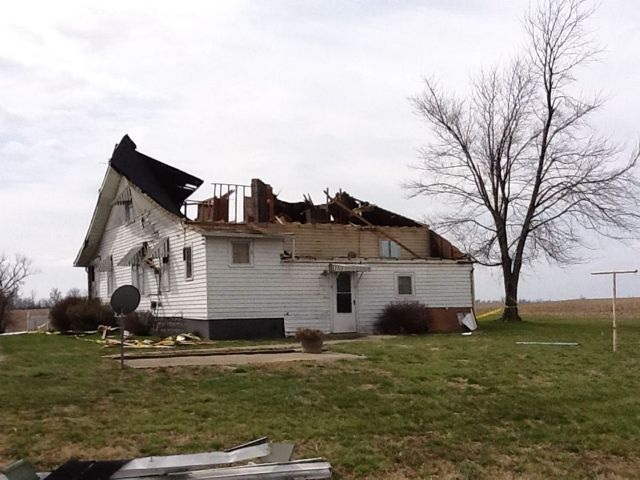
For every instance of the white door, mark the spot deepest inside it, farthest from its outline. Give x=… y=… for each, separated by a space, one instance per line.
x=344 y=303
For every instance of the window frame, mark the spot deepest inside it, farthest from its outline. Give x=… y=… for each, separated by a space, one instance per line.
x=188 y=262
x=412 y=276
x=387 y=248
x=233 y=242
x=129 y=214
x=165 y=273
x=111 y=277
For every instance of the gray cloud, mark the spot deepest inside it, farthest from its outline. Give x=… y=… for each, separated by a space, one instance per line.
x=306 y=95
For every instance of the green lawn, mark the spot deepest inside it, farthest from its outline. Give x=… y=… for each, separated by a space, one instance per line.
x=442 y=406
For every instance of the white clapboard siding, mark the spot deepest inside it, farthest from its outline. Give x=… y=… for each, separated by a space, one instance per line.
x=444 y=284
x=184 y=298
x=267 y=289
x=300 y=292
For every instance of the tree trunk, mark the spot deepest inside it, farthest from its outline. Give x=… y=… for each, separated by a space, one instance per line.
x=510 y=313
x=3 y=314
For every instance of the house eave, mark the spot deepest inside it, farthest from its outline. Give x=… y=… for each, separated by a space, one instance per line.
x=99 y=219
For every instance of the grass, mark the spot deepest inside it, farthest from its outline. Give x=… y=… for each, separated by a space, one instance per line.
x=442 y=406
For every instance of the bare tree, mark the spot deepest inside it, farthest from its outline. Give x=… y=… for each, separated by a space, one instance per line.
x=54 y=297
x=523 y=174
x=74 y=292
x=12 y=276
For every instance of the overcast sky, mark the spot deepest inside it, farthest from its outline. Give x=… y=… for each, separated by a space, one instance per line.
x=303 y=94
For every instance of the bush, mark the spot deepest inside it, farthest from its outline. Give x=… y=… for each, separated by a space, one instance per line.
x=403 y=318
x=139 y=323
x=88 y=314
x=58 y=312
x=80 y=313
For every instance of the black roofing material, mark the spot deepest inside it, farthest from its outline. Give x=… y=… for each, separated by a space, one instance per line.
x=166 y=185
x=86 y=470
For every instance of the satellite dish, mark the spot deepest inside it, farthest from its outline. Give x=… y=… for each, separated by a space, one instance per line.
x=125 y=299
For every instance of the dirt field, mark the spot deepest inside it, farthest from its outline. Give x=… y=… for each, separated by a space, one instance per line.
x=626 y=308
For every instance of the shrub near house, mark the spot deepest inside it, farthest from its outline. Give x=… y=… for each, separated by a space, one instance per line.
x=80 y=313
x=403 y=318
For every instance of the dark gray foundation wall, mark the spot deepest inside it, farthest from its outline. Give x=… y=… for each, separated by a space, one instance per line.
x=228 y=329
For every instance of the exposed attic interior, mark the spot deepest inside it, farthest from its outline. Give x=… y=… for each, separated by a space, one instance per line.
x=258 y=207
x=256 y=203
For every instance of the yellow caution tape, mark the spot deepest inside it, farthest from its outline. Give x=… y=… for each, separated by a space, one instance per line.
x=492 y=312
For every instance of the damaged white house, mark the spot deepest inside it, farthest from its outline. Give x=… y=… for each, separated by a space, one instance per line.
x=245 y=263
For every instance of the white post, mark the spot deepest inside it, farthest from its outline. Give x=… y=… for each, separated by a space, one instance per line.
x=615 y=327
x=613 y=311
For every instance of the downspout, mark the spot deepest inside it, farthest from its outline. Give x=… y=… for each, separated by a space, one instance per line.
x=473 y=291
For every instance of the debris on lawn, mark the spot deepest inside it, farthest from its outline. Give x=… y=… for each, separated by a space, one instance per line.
x=468 y=320
x=104 y=330
x=261 y=459
x=9 y=334
x=168 y=342
x=558 y=344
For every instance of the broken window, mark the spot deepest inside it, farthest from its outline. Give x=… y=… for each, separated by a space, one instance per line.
x=241 y=252
x=404 y=284
x=389 y=249
x=187 y=256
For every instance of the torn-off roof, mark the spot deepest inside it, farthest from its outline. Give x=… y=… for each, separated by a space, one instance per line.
x=166 y=185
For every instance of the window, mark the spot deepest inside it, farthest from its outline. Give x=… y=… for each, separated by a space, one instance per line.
x=137 y=277
x=128 y=211
x=241 y=252
x=165 y=279
x=404 y=284
x=389 y=249
x=91 y=274
x=110 y=277
x=187 y=256
x=343 y=292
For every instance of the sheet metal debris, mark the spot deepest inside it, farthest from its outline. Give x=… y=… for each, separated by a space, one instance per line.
x=150 y=466
x=261 y=458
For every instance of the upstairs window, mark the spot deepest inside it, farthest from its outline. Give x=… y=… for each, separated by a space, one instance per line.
x=187 y=256
x=241 y=252
x=128 y=211
x=389 y=249
x=125 y=199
